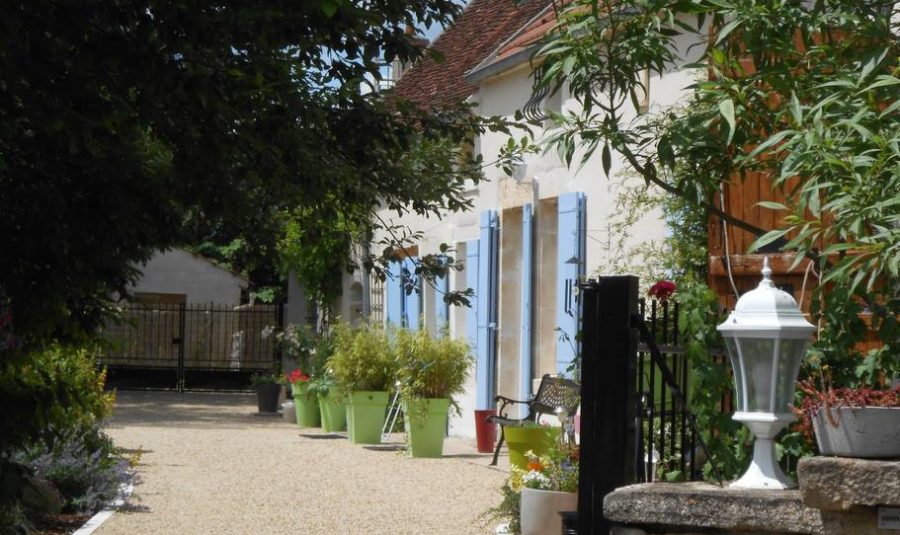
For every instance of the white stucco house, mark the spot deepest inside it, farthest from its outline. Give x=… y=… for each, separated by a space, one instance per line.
x=179 y=276
x=531 y=237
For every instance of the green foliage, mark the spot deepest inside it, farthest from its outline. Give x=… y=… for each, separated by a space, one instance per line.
x=811 y=86
x=315 y=244
x=53 y=390
x=299 y=345
x=362 y=358
x=166 y=124
x=728 y=441
x=430 y=367
x=508 y=510
x=266 y=379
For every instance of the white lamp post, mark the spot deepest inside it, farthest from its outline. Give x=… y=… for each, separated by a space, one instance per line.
x=766 y=337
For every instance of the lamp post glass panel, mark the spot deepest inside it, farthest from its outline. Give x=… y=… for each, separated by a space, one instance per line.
x=766 y=337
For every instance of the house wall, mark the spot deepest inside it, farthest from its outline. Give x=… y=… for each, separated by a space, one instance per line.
x=179 y=272
x=547 y=178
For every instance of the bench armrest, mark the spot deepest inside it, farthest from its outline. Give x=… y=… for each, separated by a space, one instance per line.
x=507 y=401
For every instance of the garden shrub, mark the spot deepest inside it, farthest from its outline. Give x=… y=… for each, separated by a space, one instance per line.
x=82 y=465
x=53 y=455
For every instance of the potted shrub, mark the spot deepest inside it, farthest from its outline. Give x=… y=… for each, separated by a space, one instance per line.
x=430 y=371
x=268 y=390
x=852 y=422
x=306 y=404
x=549 y=485
x=363 y=367
x=332 y=406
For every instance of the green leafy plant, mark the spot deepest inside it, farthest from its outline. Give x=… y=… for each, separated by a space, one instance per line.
x=429 y=366
x=266 y=379
x=362 y=358
x=507 y=510
x=304 y=348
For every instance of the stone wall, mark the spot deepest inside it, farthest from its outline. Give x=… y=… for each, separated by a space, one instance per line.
x=836 y=496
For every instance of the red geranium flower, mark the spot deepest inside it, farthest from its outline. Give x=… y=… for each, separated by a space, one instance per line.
x=297 y=376
x=662 y=290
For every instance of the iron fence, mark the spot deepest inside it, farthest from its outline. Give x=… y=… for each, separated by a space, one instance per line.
x=174 y=339
x=667 y=445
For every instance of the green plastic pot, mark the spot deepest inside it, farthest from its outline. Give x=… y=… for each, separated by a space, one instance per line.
x=520 y=440
x=306 y=404
x=334 y=415
x=365 y=416
x=426 y=425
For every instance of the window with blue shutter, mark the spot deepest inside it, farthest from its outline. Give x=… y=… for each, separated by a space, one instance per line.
x=412 y=294
x=486 y=348
x=471 y=269
x=394 y=297
x=441 y=308
x=569 y=269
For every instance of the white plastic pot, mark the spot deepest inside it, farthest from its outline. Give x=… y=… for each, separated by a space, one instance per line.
x=287 y=410
x=540 y=509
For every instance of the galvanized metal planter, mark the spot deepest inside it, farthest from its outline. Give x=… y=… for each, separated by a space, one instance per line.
x=866 y=432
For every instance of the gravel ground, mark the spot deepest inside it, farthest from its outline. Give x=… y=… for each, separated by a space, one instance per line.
x=210 y=464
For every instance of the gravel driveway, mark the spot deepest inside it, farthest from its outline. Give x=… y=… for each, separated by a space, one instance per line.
x=210 y=464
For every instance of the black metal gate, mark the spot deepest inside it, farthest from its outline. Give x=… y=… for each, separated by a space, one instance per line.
x=636 y=423
x=190 y=346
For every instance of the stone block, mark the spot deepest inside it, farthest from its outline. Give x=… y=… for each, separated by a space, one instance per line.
x=841 y=484
x=687 y=506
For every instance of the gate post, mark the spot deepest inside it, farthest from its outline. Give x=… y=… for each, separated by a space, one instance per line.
x=608 y=391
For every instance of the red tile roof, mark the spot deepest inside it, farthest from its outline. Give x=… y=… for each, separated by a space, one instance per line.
x=482 y=27
x=527 y=36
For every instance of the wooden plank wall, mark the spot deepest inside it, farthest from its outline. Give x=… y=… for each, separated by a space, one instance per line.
x=741 y=198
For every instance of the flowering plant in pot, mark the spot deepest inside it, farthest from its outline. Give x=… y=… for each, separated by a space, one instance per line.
x=431 y=370
x=549 y=485
x=305 y=402
x=851 y=422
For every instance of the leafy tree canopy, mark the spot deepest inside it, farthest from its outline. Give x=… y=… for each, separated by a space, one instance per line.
x=127 y=126
x=805 y=92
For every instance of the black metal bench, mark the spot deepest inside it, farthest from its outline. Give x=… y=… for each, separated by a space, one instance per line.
x=553 y=393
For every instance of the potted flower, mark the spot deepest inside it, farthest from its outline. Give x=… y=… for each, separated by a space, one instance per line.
x=305 y=401
x=549 y=485
x=852 y=422
x=431 y=370
x=268 y=390
x=363 y=367
x=527 y=437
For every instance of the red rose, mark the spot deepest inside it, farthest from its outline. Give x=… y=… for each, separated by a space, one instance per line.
x=662 y=290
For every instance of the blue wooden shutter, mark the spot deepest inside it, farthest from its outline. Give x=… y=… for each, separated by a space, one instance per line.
x=393 y=290
x=471 y=269
x=441 y=308
x=412 y=308
x=570 y=266
x=486 y=349
x=525 y=359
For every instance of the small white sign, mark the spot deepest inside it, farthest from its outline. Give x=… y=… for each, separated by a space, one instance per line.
x=889 y=518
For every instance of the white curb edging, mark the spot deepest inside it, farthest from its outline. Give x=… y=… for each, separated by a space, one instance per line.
x=98 y=519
